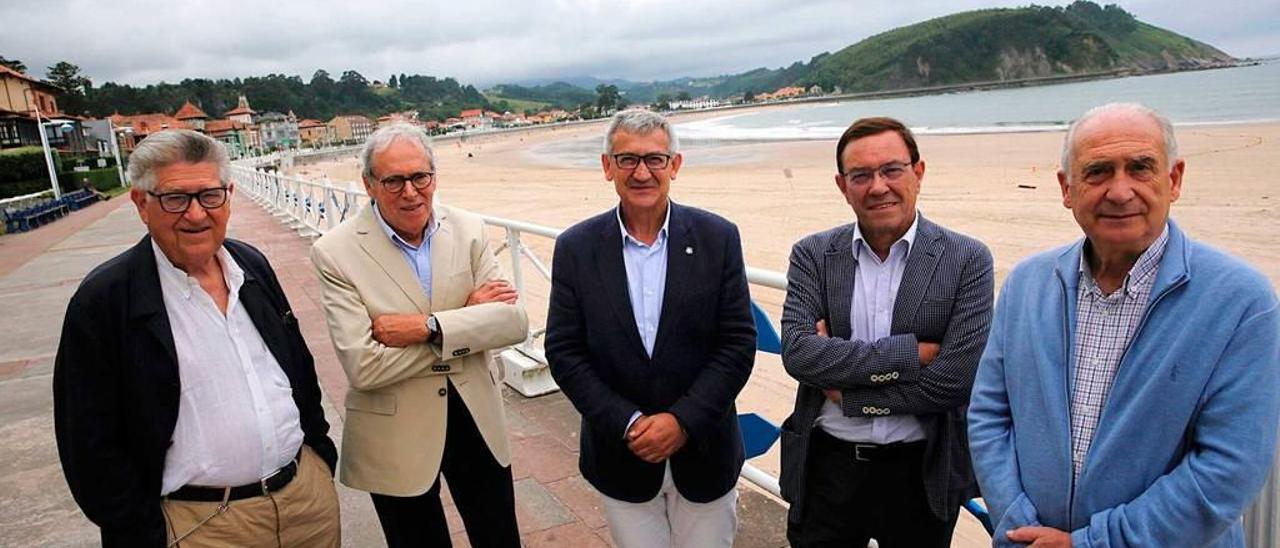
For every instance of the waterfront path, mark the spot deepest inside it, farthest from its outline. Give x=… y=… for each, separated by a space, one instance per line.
x=39 y=271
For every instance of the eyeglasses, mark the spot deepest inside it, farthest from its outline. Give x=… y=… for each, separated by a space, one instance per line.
x=891 y=171
x=395 y=183
x=652 y=161
x=179 y=202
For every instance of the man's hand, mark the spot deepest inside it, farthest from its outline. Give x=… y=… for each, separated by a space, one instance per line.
x=496 y=291
x=654 y=438
x=928 y=352
x=400 y=330
x=1041 y=537
x=822 y=328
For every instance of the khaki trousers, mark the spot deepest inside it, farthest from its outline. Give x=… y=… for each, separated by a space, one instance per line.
x=305 y=513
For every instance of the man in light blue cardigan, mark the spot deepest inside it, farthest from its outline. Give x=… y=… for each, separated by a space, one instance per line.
x=1129 y=391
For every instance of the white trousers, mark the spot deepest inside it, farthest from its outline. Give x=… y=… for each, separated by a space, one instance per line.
x=672 y=521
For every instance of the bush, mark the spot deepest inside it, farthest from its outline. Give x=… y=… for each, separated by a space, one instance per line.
x=22 y=164
x=10 y=189
x=101 y=179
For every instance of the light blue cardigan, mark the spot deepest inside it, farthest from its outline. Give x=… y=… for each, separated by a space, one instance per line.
x=1188 y=431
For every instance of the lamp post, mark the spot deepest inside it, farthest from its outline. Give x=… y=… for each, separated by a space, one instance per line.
x=48 y=156
x=115 y=150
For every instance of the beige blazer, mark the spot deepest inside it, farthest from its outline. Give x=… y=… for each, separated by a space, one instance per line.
x=395 y=427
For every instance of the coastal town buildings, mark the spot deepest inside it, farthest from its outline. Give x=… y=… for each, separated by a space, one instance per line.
x=350 y=128
x=22 y=100
x=314 y=133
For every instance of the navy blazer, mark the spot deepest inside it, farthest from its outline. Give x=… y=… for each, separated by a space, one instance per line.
x=702 y=355
x=116 y=386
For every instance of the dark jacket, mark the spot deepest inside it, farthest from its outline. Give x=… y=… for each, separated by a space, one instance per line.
x=945 y=297
x=702 y=354
x=116 y=388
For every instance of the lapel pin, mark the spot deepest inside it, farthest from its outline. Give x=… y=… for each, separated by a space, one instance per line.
x=688 y=250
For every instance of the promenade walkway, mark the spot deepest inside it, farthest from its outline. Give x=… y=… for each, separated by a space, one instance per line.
x=39 y=271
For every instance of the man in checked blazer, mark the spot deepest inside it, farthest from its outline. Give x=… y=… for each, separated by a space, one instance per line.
x=883 y=324
x=415 y=302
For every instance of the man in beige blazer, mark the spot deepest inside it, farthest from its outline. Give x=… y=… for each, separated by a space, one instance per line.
x=415 y=303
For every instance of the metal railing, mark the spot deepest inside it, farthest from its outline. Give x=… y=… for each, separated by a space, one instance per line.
x=315 y=207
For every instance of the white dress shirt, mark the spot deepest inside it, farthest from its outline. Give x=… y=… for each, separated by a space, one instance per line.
x=875 y=289
x=237 y=421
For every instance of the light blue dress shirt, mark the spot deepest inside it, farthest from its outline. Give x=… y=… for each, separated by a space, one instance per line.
x=875 y=290
x=419 y=258
x=646 y=281
x=646 y=278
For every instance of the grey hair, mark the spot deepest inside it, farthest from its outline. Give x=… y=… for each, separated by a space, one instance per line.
x=175 y=146
x=1166 y=131
x=390 y=133
x=640 y=122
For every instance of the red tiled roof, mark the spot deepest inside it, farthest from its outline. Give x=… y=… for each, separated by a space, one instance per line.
x=240 y=110
x=471 y=113
x=190 y=111
x=145 y=124
x=309 y=123
x=223 y=126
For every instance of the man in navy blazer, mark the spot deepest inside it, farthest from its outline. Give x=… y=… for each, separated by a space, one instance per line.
x=650 y=335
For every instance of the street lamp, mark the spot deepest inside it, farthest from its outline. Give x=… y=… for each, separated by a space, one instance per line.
x=115 y=149
x=44 y=144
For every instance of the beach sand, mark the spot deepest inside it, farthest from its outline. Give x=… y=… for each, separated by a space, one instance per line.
x=780 y=192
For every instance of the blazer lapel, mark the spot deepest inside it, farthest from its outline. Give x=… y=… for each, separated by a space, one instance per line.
x=680 y=237
x=915 y=278
x=443 y=258
x=840 y=269
x=146 y=307
x=613 y=275
x=388 y=257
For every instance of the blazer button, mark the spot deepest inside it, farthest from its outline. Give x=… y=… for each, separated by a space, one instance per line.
x=443 y=392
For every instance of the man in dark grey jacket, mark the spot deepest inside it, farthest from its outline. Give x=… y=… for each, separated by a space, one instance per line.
x=883 y=325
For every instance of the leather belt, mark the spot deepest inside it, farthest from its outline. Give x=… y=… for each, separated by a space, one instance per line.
x=871 y=452
x=269 y=484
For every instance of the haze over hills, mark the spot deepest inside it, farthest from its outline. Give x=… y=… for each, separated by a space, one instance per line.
x=989 y=45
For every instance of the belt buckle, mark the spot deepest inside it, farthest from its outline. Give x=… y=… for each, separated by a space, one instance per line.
x=857 y=451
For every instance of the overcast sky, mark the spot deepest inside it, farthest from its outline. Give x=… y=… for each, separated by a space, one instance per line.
x=485 y=42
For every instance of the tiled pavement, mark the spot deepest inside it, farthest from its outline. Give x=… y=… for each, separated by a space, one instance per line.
x=38 y=272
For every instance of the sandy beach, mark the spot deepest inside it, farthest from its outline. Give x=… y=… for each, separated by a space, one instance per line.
x=780 y=192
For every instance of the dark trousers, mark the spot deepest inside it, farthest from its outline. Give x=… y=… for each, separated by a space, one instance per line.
x=852 y=496
x=481 y=489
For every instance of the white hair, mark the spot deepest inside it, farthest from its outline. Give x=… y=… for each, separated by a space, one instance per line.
x=1166 y=131
x=390 y=133
x=175 y=146
x=640 y=122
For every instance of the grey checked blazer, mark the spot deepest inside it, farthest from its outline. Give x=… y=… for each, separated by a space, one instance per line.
x=945 y=297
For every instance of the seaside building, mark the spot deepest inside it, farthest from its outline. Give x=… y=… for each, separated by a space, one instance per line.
x=143 y=125
x=314 y=133
x=279 y=131
x=21 y=96
x=237 y=136
x=192 y=116
x=350 y=128
x=475 y=119
x=700 y=102
x=242 y=113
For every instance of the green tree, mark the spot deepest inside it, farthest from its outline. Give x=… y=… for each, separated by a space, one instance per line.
x=13 y=64
x=67 y=76
x=608 y=98
x=749 y=96
x=683 y=96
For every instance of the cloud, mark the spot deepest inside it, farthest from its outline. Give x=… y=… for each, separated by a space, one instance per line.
x=493 y=41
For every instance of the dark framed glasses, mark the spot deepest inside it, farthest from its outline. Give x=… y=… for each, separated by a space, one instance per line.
x=652 y=161
x=178 y=202
x=395 y=183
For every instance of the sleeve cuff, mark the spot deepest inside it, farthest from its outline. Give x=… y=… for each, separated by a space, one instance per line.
x=635 y=415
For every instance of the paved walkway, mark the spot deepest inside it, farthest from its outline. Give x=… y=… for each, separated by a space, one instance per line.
x=39 y=271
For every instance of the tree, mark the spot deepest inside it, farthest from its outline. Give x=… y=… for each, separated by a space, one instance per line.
x=67 y=76
x=683 y=96
x=749 y=96
x=607 y=98
x=392 y=82
x=13 y=64
x=663 y=101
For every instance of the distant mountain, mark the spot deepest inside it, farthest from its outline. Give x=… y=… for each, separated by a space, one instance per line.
x=989 y=45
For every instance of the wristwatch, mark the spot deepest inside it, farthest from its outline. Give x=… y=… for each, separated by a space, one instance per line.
x=433 y=326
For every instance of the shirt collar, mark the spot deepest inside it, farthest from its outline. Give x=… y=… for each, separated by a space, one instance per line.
x=626 y=236
x=1142 y=272
x=432 y=225
x=232 y=274
x=908 y=239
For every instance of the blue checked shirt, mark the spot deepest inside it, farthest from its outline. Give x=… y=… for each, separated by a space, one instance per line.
x=1105 y=325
